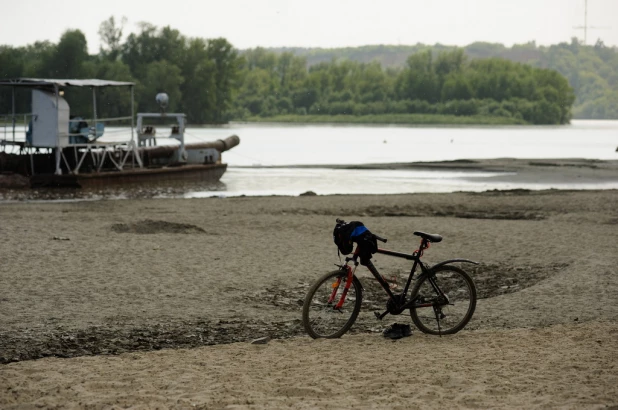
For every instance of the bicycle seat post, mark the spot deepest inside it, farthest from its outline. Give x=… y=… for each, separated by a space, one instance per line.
x=424 y=245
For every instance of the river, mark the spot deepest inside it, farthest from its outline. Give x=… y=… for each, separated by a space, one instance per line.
x=268 y=158
x=267 y=145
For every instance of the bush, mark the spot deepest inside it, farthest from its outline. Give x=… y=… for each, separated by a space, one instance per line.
x=318 y=109
x=488 y=106
x=239 y=113
x=501 y=112
x=284 y=104
x=254 y=105
x=419 y=107
x=397 y=107
x=343 y=96
x=460 y=107
x=339 y=108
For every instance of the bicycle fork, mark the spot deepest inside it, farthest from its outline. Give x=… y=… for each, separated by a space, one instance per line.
x=336 y=285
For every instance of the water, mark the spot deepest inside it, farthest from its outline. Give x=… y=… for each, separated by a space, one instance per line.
x=269 y=145
x=286 y=145
x=283 y=146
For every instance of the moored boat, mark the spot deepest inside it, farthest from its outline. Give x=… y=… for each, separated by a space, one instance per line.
x=53 y=148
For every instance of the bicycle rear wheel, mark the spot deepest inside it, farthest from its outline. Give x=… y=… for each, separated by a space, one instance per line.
x=324 y=313
x=445 y=299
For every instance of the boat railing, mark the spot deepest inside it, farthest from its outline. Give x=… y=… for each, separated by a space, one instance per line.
x=83 y=142
x=13 y=131
x=94 y=128
x=13 y=127
x=120 y=152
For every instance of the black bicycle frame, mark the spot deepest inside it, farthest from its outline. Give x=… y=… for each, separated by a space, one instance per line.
x=409 y=256
x=416 y=257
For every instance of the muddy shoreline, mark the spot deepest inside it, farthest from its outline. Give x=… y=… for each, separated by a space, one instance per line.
x=14 y=188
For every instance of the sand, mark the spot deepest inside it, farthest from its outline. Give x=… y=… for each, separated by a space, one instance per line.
x=152 y=303
x=563 y=366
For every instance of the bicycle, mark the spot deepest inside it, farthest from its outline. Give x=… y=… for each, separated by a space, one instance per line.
x=441 y=302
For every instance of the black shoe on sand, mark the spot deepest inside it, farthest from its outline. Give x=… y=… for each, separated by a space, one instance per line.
x=397 y=331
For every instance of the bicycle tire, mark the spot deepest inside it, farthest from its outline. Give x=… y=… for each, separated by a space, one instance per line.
x=316 y=306
x=458 y=286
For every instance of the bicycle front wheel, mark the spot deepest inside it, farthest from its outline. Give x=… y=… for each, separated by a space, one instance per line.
x=327 y=312
x=445 y=299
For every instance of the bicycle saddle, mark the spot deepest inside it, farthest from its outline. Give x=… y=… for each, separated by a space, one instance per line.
x=430 y=237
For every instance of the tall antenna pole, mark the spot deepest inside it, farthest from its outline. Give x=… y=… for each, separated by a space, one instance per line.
x=586 y=26
x=586 y=22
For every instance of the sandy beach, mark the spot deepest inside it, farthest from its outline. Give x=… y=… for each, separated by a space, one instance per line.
x=152 y=303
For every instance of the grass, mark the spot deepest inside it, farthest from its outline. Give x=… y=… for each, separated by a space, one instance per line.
x=433 y=119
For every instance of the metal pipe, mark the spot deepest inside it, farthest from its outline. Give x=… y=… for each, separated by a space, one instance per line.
x=132 y=112
x=133 y=144
x=13 y=98
x=31 y=163
x=101 y=119
x=162 y=151
x=94 y=111
x=181 y=153
x=58 y=153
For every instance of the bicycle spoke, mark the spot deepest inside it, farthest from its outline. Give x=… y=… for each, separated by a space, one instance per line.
x=321 y=316
x=445 y=301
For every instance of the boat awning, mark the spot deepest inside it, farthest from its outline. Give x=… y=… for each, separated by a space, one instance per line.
x=50 y=83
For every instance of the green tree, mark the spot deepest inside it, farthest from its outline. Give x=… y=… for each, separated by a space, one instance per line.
x=418 y=81
x=447 y=63
x=111 y=36
x=198 y=89
x=11 y=62
x=554 y=88
x=113 y=102
x=70 y=55
x=457 y=87
x=226 y=65
x=161 y=76
x=151 y=45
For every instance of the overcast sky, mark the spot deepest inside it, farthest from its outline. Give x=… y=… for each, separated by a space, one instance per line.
x=320 y=23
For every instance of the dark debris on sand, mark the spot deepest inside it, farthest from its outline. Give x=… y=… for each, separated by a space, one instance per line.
x=149 y=226
x=112 y=340
x=56 y=341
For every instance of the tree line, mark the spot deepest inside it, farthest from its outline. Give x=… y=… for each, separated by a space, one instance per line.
x=199 y=75
x=592 y=70
x=212 y=82
x=447 y=83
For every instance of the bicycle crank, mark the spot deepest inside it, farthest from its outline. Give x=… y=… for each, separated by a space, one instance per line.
x=393 y=307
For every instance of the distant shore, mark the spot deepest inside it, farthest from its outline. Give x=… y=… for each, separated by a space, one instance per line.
x=412 y=119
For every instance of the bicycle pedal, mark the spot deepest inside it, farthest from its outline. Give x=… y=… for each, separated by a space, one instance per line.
x=380 y=316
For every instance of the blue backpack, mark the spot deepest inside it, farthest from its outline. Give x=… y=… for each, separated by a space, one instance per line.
x=345 y=234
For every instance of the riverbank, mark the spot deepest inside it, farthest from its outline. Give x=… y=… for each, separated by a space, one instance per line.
x=461 y=175
x=513 y=170
x=121 y=279
x=382 y=119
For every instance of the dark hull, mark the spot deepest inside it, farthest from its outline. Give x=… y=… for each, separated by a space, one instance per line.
x=202 y=172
